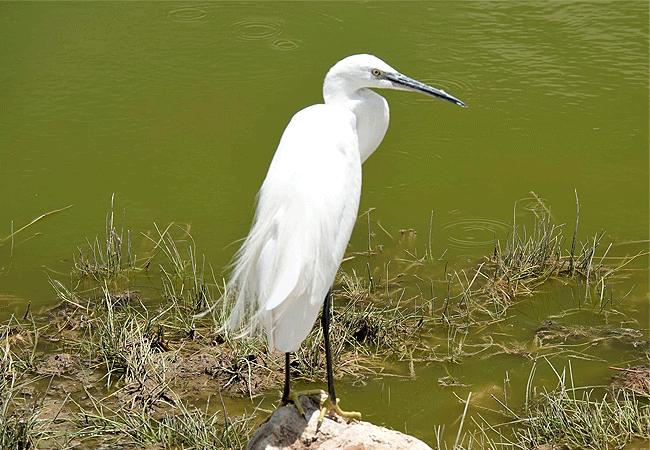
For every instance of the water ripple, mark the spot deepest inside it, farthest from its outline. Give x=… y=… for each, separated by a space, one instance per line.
x=458 y=87
x=188 y=14
x=450 y=83
x=468 y=233
x=258 y=29
x=284 y=44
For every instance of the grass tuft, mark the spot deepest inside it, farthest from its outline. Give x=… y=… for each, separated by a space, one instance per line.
x=110 y=260
x=20 y=425
x=530 y=258
x=566 y=417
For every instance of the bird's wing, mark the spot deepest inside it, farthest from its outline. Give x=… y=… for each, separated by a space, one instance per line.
x=306 y=210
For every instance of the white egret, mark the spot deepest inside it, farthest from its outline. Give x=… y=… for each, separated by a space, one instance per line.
x=307 y=207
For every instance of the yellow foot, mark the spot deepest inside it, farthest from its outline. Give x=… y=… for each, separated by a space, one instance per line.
x=323 y=399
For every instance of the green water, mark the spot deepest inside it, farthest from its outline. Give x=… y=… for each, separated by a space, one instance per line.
x=177 y=108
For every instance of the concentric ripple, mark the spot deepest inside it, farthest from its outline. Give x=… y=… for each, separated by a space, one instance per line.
x=188 y=14
x=284 y=44
x=257 y=29
x=469 y=233
x=458 y=87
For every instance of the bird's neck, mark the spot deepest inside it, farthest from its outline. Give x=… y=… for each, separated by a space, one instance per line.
x=371 y=110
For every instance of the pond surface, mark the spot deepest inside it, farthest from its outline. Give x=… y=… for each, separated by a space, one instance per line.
x=177 y=108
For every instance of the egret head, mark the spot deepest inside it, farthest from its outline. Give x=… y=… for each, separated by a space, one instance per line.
x=367 y=71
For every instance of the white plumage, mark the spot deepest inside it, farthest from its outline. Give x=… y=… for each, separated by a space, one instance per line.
x=308 y=203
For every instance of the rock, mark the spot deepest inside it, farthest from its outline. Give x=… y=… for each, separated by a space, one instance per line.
x=288 y=430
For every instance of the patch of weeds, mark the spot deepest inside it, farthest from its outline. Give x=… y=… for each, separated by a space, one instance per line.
x=166 y=244
x=129 y=344
x=19 y=342
x=579 y=418
x=20 y=427
x=376 y=324
x=179 y=427
x=366 y=327
x=565 y=418
x=108 y=260
x=19 y=423
x=526 y=262
x=529 y=260
x=556 y=334
x=196 y=429
x=185 y=287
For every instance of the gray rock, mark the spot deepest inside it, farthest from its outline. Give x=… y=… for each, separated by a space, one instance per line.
x=288 y=430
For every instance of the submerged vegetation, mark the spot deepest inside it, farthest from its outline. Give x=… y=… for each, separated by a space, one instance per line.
x=130 y=365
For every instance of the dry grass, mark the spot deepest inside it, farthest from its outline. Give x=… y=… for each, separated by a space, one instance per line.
x=635 y=379
x=20 y=424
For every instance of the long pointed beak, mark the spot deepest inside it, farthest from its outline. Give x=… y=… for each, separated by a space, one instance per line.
x=405 y=83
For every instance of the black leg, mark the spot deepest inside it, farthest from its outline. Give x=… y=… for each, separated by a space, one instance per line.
x=287 y=381
x=325 y=322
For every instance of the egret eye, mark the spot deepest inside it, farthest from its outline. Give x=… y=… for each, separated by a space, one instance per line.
x=376 y=72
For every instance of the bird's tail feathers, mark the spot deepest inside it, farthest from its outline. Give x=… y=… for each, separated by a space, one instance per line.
x=236 y=309
x=239 y=301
